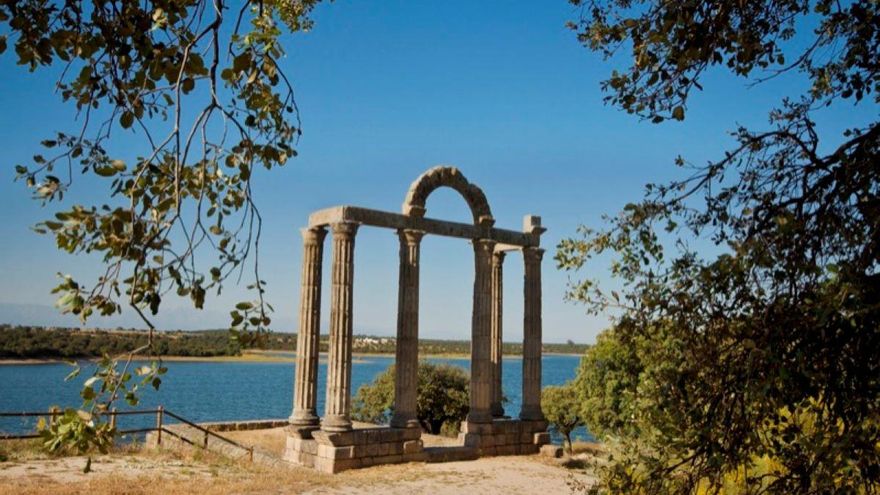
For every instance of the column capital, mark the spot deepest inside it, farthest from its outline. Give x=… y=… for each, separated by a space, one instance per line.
x=313 y=234
x=344 y=229
x=533 y=254
x=411 y=237
x=498 y=257
x=484 y=247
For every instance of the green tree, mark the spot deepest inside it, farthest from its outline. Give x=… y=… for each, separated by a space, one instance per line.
x=606 y=386
x=562 y=410
x=442 y=400
x=759 y=364
x=198 y=85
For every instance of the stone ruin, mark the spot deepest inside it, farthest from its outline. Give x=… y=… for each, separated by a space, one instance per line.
x=331 y=444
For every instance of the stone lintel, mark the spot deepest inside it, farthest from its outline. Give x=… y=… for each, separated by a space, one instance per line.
x=396 y=221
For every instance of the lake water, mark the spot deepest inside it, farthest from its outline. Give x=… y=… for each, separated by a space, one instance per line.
x=224 y=391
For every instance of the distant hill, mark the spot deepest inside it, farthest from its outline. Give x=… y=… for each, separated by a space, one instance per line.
x=28 y=342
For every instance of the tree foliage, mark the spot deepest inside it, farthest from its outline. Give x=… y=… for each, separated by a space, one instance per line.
x=759 y=364
x=197 y=85
x=562 y=410
x=441 y=404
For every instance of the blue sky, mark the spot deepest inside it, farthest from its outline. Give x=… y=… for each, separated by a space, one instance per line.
x=387 y=89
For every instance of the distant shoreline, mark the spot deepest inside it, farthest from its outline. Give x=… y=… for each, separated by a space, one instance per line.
x=254 y=356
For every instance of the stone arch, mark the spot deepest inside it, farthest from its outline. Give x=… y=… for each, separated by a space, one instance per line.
x=444 y=176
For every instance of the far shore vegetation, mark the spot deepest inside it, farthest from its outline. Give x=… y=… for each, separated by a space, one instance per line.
x=51 y=343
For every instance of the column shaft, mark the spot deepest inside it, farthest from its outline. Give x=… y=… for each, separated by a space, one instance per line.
x=406 y=378
x=481 y=322
x=531 y=393
x=497 y=351
x=305 y=393
x=338 y=403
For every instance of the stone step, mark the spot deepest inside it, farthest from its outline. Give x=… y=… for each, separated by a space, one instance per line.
x=451 y=454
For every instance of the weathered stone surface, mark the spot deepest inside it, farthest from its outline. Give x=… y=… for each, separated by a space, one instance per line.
x=496 y=334
x=550 y=450
x=531 y=388
x=305 y=393
x=412 y=446
x=407 y=345
x=338 y=402
x=542 y=438
x=506 y=450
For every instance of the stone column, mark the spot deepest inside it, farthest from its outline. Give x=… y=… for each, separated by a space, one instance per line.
x=305 y=392
x=338 y=404
x=497 y=351
x=531 y=392
x=481 y=322
x=406 y=378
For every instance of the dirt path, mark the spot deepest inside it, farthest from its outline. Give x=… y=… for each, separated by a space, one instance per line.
x=166 y=473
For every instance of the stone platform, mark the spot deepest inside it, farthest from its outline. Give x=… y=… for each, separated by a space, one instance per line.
x=333 y=452
x=505 y=437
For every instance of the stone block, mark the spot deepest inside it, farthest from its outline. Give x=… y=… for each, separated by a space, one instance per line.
x=334 y=466
x=330 y=452
x=476 y=428
x=487 y=451
x=412 y=446
x=528 y=449
x=372 y=449
x=512 y=438
x=368 y=461
x=411 y=433
x=395 y=448
x=389 y=459
x=470 y=439
x=310 y=447
x=551 y=450
x=542 y=438
x=304 y=432
x=416 y=457
x=384 y=448
x=498 y=439
x=506 y=450
x=526 y=437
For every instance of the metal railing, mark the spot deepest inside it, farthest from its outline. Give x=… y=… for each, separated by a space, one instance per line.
x=160 y=427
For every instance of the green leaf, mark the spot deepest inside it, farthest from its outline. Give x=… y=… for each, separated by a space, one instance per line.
x=678 y=113
x=126 y=120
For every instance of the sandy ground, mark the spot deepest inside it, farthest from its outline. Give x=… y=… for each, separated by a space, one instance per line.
x=151 y=472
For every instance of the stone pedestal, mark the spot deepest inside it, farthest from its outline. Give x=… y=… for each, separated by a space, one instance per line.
x=338 y=403
x=333 y=452
x=406 y=378
x=305 y=394
x=505 y=437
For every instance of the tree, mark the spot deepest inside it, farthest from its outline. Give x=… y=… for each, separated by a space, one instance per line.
x=198 y=85
x=562 y=410
x=442 y=398
x=605 y=385
x=759 y=364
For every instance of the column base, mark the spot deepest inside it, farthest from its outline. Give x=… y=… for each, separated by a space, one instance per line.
x=304 y=418
x=497 y=410
x=479 y=417
x=404 y=421
x=336 y=423
x=531 y=413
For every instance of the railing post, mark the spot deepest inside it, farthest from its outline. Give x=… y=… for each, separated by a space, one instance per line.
x=159 y=414
x=206 y=439
x=113 y=418
x=251 y=453
x=53 y=415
